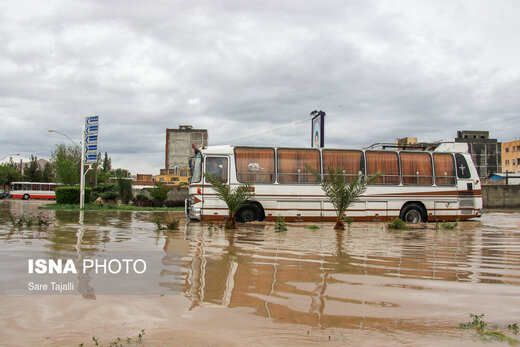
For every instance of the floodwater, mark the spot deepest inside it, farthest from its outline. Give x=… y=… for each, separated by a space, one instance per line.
x=364 y=286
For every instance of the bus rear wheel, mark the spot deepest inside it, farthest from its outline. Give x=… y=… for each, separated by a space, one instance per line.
x=248 y=213
x=26 y=196
x=413 y=213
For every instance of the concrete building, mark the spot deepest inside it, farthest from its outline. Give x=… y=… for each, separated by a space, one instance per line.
x=486 y=152
x=410 y=143
x=179 y=149
x=511 y=156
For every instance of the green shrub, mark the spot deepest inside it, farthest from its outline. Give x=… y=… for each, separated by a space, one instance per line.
x=397 y=224
x=108 y=195
x=449 y=226
x=280 y=224
x=141 y=197
x=106 y=187
x=160 y=191
x=70 y=195
x=124 y=187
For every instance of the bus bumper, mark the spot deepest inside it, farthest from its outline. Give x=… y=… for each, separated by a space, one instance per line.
x=191 y=211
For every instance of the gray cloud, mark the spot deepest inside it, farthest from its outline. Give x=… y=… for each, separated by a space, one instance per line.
x=380 y=70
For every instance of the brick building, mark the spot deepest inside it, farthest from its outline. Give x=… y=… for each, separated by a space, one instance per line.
x=511 y=156
x=179 y=149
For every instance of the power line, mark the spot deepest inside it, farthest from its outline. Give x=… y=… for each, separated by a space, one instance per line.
x=262 y=133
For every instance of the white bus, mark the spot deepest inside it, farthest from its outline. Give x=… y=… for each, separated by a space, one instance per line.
x=32 y=190
x=439 y=185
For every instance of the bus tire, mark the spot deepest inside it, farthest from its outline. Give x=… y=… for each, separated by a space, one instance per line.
x=26 y=196
x=248 y=213
x=413 y=213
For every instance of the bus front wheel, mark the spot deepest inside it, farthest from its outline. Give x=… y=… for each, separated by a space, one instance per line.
x=413 y=213
x=26 y=196
x=248 y=213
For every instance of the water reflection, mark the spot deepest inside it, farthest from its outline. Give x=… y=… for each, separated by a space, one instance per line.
x=365 y=276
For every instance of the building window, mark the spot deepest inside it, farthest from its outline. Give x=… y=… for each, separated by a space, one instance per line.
x=507 y=162
x=514 y=162
x=507 y=149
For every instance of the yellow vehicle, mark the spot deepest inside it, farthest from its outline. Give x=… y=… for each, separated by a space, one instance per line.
x=178 y=178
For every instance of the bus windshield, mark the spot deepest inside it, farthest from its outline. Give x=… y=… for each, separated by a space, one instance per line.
x=196 y=169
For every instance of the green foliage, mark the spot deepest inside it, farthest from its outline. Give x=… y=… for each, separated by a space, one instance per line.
x=349 y=220
x=124 y=187
x=107 y=191
x=107 y=164
x=476 y=322
x=279 y=225
x=449 y=226
x=8 y=173
x=67 y=161
x=340 y=193
x=312 y=227
x=234 y=198
x=32 y=173
x=70 y=195
x=109 y=195
x=118 y=342
x=160 y=191
x=397 y=224
x=40 y=220
x=141 y=197
x=513 y=326
x=171 y=223
x=48 y=173
x=495 y=335
x=121 y=173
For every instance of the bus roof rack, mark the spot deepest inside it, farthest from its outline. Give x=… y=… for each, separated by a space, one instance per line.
x=414 y=146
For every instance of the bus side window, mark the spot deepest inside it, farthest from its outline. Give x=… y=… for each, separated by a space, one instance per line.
x=217 y=166
x=444 y=169
x=462 y=166
x=292 y=165
x=255 y=165
x=350 y=162
x=384 y=163
x=416 y=168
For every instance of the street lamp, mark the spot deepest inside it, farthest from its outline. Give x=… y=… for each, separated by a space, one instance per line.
x=57 y=132
x=9 y=155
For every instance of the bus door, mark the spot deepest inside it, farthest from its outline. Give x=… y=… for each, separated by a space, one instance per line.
x=212 y=206
x=466 y=184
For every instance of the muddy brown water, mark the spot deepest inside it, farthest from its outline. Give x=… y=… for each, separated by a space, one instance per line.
x=365 y=286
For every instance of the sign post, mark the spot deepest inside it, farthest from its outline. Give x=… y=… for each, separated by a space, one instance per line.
x=89 y=138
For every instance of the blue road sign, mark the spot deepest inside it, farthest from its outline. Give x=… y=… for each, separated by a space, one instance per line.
x=91 y=148
x=92 y=120
x=91 y=130
x=90 y=158
x=91 y=139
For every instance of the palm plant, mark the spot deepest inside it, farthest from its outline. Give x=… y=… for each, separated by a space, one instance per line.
x=234 y=198
x=341 y=193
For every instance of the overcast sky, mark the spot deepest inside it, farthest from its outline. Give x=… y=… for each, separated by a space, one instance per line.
x=379 y=69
